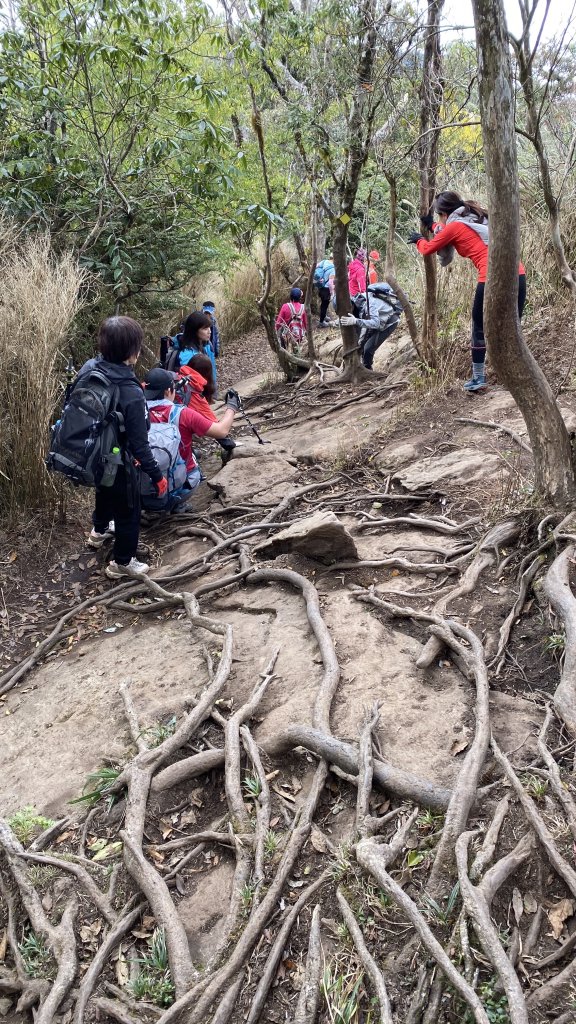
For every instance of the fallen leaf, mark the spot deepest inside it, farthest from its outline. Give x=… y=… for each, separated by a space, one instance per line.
x=180 y=885
x=188 y=818
x=94 y=845
x=317 y=840
x=530 y=904
x=296 y=784
x=195 y=797
x=3 y=945
x=560 y=913
x=460 y=744
x=517 y=905
x=414 y=858
x=108 y=851
x=47 y=902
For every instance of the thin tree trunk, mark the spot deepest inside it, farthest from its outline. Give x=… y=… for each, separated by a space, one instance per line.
x=359 y=137
x=525 y=65
x=390 y=268
x=431 y=94
x=509 y=354
x=310 y=280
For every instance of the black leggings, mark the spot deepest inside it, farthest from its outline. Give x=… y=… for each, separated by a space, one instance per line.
x=120 y=502
x=325 y=295
x=478 y=340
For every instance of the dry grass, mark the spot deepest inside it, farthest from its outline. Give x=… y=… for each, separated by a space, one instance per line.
x=40 y=295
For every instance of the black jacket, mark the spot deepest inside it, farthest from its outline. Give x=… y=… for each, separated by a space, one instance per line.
x=132 y=405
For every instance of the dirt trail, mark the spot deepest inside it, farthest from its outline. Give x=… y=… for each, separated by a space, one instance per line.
x=439 y=483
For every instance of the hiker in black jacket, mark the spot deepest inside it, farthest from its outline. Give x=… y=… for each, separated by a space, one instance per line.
x=117 y=509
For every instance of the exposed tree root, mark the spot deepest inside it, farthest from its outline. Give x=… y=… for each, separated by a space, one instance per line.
x=558 y=862
x=277 y=949
x=60 y=938
x=526 y=581
x=395 y=780
x=478 y=909
x=239 y=975
x=438 y=525
x=492 y=425
x=487 y=554
x=368 y=961
x=558 y=592
x=561 y=792
x=309 y=998
x=375 y=859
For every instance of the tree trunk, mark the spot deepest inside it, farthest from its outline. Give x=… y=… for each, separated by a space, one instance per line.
x=509 y=354
x=310 y=280
x=390 y=268
x=359 y=139
x=431 y=94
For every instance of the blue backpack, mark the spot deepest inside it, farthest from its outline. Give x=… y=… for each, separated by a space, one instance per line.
x=324 y=271
x=164 y=440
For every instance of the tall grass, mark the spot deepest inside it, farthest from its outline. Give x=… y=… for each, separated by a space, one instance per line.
x=40 y=294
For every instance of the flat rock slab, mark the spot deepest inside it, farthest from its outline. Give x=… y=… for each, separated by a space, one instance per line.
x=74 y=716
x=337 y=436
x=267 y=473
x=321 y=536
x=464 y=466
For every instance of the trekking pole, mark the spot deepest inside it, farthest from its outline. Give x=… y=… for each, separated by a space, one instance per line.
x=250 y=424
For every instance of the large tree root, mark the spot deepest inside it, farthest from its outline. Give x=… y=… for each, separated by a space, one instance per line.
x=487 y=554
x=368 y=961
x=375 y=859
x=478 y=908
x=558 y=592
x=277 y=949
x=345 y=756
x=60 y=938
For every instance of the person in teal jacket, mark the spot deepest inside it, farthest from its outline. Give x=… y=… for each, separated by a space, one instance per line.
x=195 y=338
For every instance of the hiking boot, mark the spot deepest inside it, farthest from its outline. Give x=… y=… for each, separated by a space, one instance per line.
x=134 y=568
x=323 y=323
x=475 y=384
x=96 y=540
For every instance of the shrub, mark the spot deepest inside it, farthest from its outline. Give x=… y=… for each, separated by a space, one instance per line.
x=40 y=294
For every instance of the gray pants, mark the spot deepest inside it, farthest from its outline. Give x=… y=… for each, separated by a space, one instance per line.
x=375 y=339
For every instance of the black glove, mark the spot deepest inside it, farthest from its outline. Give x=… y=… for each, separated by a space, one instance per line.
x=427 y=221
x=414 y=237
x=232 y=400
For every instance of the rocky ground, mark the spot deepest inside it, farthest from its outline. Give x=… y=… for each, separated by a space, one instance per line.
x=290 y=810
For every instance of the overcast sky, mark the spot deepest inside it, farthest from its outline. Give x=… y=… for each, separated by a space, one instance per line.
x=459 y=12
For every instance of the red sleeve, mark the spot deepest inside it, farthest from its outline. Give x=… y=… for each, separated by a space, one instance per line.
x=283 y=316
x=446 y=236
x=199 y=404
x=194 y=421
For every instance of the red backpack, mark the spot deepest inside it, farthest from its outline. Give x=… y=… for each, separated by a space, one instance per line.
x=295 y=326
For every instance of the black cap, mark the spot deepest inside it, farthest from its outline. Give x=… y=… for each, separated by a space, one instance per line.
x=156 y=382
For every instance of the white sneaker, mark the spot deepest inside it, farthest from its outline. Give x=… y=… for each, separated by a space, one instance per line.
x=96 y=540
x=134 y=568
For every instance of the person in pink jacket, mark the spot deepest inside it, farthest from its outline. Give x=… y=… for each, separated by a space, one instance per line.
x=357 y=273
